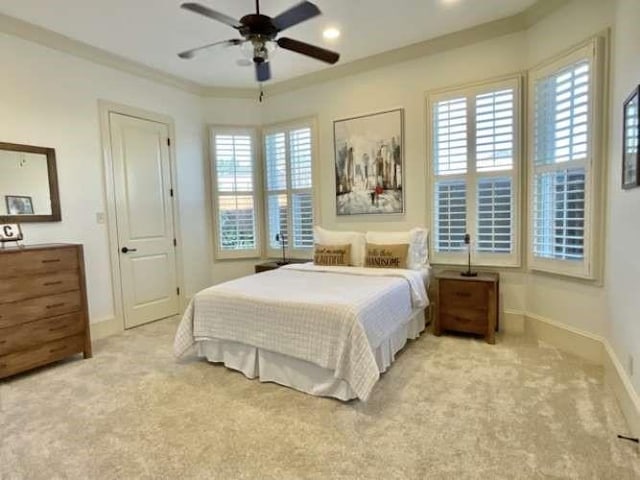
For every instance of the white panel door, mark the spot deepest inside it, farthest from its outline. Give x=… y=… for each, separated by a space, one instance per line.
x=144 y=216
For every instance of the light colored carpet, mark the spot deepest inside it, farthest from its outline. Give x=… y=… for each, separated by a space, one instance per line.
x=449 y=408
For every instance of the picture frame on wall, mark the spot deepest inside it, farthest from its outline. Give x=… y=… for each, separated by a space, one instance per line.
x=369 y=163
x=19 y=205
x=630 y=140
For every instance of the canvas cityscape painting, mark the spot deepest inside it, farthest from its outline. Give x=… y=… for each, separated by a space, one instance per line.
x=369 y=153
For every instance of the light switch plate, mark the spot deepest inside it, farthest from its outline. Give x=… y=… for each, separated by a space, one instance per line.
x=101 y=218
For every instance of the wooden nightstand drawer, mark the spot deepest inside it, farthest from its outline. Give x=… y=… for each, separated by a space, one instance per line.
x=464 y=293
x=466 y=304
x=461 y=320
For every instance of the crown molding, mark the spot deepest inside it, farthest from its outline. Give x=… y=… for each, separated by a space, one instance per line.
x=541 y=9
x=48 y=38
x=479 y=33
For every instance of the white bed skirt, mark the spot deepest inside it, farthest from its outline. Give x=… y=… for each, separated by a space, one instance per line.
x=299 y=374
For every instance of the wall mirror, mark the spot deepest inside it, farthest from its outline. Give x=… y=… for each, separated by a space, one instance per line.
x=28 y=184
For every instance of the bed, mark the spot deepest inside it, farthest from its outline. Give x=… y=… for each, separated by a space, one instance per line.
x=328 y=331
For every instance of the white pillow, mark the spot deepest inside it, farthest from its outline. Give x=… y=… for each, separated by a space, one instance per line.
x=335 y=237
x=417 y=238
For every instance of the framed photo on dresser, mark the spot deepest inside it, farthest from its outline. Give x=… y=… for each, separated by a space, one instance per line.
x=630 y=137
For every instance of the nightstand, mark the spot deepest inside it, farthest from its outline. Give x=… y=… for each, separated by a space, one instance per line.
x=467 y=304
x=274 y=264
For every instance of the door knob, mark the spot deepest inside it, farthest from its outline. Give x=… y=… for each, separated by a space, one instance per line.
x=127 y=250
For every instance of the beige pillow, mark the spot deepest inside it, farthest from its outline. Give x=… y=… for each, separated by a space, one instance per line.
x=386 y=256
x=332 y=255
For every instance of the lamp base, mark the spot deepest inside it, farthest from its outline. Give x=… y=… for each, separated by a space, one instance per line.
x=469 y=274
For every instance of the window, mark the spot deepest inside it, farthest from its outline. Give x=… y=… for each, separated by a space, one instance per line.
x=562 y=152
x=288 y=187
x=235 y=202
x=475 y=151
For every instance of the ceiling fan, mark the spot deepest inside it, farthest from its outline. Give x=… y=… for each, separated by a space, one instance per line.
x=259 y=32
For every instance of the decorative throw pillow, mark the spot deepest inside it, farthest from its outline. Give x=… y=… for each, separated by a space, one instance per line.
x=332 y=255
x=417 y=257
x=386 y=256
x=339 y=237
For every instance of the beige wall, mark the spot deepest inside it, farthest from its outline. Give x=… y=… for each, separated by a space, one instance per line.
x=51 y=98
x=579 y=305
x=623 y=230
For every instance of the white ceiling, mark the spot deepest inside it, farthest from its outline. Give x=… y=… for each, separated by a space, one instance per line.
x=152 y=32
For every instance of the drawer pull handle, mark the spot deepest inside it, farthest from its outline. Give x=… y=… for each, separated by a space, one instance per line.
x=3 y=365
x=463 y=294
x=52 y=260
x=462 y=320
x=61 y=327
x=2 y=342
x=49 y=284
x=59 y=349
x=55 y=305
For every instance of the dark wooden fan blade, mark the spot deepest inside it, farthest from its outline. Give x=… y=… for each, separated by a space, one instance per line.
x=308 y=50
x=297 y=14
x=207 y=12
x=263 y=71
x=187 y=54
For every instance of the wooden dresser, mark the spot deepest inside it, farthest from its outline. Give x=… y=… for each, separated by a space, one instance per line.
x=467 y=304
x=43 y=306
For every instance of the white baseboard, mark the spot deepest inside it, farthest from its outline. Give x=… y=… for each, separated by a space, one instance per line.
x=569 y=339
x=105 y=328
x=619 y=381
x=513 y=322
x=585 y=345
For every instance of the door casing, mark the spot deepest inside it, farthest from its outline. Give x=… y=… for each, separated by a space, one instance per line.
x=105 y=108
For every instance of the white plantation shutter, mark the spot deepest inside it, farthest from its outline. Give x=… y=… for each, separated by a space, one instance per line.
x=475 y=170
x=495 y=207
x=451 y=215
x=233 y=171
x=450 y=122
x=562 y=148
x=289 y=187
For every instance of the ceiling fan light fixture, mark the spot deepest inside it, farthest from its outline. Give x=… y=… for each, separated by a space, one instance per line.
x=258 y=48
x=331 y=33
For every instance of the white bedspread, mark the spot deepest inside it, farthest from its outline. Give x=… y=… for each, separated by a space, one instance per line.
x=334 y=317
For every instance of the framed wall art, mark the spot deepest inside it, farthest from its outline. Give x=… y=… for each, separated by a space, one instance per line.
x=19 y=205
x=369 y=163
x=630 y=137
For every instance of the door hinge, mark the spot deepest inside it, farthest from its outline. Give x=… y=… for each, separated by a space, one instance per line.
x=178 y=290
x=171 y=192
x=175 y=242
x=168 y=142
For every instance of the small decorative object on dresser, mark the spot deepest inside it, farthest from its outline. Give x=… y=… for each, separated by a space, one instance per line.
x=467 y=304
x=43 y=306
x=273 y=264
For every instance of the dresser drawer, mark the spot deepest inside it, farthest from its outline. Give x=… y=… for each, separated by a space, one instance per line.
x=41 y=355
x=30 y=334
x=459 y=320
x=464 y=293
x=38 y=285
x=36 y=308
x=29 y=262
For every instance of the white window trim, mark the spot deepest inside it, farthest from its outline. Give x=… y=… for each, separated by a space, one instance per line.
x=220 y=254
x=589 y=268
x=480 y=259
x=285 y=127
